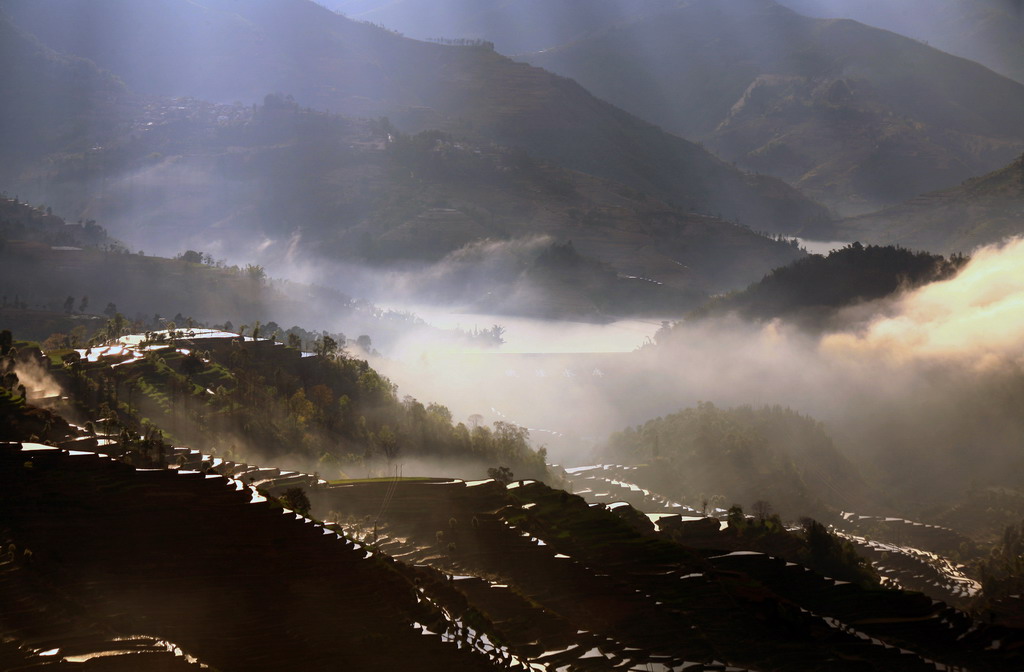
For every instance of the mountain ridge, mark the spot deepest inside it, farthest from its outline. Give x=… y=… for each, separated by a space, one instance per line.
x=983 y=210
x=917 y=115
x=331 y=62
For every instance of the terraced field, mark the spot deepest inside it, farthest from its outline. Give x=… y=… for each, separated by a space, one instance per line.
x=198 y=560
x=110 y=567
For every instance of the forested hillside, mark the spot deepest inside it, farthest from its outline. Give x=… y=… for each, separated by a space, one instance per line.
x=811 y=291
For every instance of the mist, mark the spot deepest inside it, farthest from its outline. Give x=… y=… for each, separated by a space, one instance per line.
x=281 y=187
x=921 y=389
x=39 y=384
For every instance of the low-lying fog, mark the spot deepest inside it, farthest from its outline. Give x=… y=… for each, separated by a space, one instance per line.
x=546 y=376
x=933 y=375
x=523 y=335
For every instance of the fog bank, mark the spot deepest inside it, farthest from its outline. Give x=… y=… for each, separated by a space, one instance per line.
x=922 y=386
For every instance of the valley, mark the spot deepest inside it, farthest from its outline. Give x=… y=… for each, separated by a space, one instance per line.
x=546 y=335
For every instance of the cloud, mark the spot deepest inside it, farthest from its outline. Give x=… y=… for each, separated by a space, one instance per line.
x=975 y=319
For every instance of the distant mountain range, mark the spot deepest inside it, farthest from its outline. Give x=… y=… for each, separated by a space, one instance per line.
x=467 y=223
x=855 y=116
x=223 y=51
x=514 y=26
x=828 y=112
x=986 y=31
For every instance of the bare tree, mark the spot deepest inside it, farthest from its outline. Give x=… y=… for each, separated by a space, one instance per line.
x=762 y=510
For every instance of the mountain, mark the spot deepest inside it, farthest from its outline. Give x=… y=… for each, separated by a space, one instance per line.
x=986 y=31
x=514 y=26
x=460 y=222
x=981 y=211
x=223 y=51
x=855 y=116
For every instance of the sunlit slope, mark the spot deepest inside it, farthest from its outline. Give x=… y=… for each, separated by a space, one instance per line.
x=855 y=116
x=981 y=211
x=225 y=51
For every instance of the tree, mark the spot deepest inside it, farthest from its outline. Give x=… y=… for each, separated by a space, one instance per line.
x=55 y=341
x=296 y=500
x=834 y=557
x=501 y=474
x=326 y=346
x=69 y=304
x=737 y=520
x=388 y=442
x=256 y=273
x=192 y=257
x=192 y=364
x=762 y=510
x=77 y=335
x=322 y=397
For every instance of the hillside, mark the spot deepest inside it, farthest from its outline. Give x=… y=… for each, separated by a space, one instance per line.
x=243 y=396
x=819 y=472
x=981 y=211
x=330 y=62
x=471 y=574
x=69 y=279
x=812 y=291
x=277 y=184
x=453 y=575
x=36 y=86
x=514 y=26
x=855 y=116
x=986 y=31
x=741 y=455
